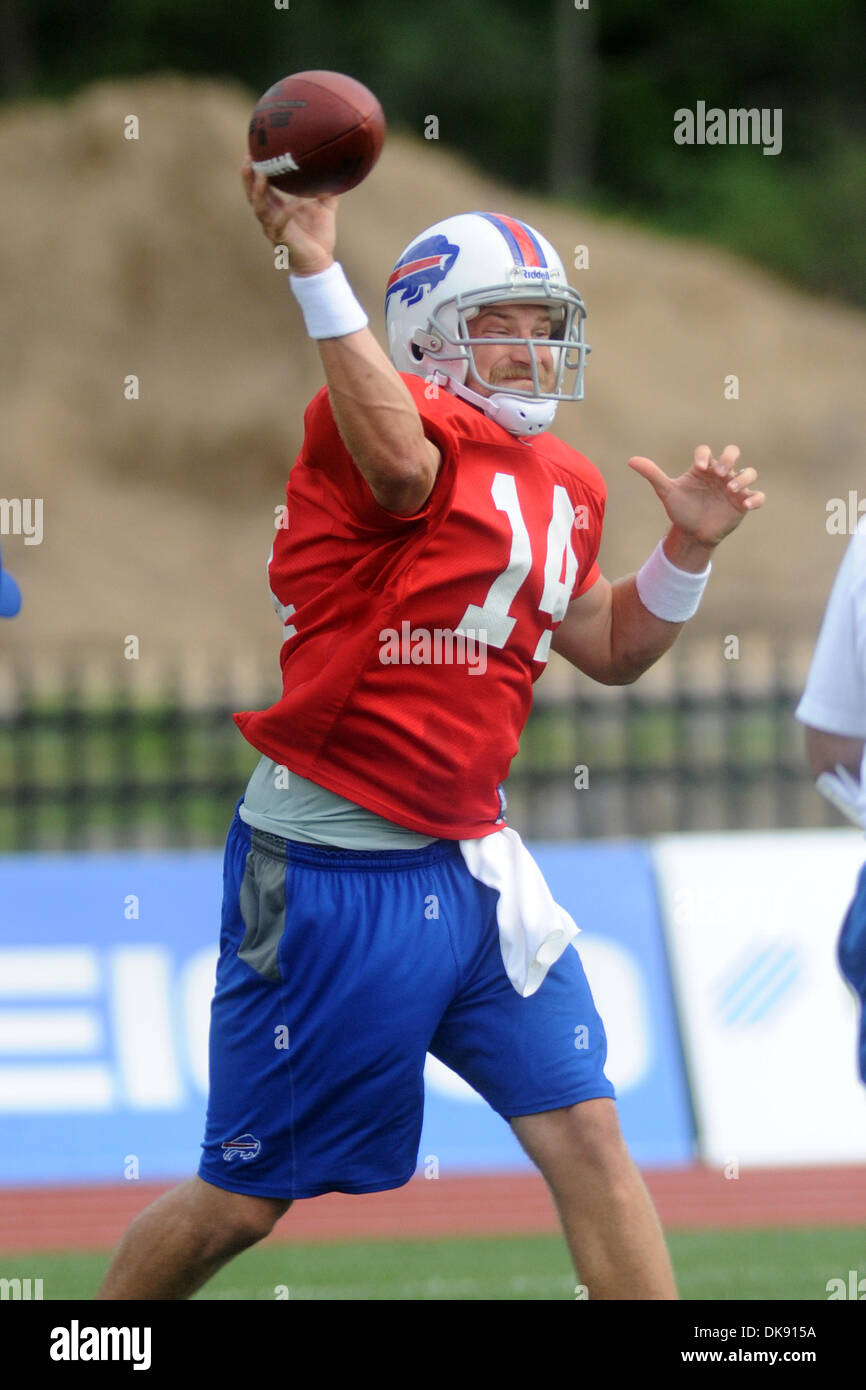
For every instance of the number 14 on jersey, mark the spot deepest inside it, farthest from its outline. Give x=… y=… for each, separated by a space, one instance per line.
x=492 y=616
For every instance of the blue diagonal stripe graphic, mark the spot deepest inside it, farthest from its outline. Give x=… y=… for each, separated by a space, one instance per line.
x=744 y=974
x=785 y=983
x=757 y=987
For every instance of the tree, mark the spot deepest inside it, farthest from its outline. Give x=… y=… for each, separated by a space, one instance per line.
x=570 y=166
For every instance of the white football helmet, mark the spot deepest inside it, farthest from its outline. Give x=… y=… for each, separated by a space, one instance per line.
x=452 y=270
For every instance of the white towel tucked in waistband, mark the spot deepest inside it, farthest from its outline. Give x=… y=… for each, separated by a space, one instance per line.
x=533 y=929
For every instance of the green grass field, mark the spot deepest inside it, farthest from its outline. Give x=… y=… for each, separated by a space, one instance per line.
x=761 y=1265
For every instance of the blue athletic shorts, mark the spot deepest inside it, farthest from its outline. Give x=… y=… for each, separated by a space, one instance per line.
x=338 y=971
x=852 y=957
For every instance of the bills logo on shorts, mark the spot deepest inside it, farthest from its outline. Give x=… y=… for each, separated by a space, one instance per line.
x=245 y=1147
x=424 y=265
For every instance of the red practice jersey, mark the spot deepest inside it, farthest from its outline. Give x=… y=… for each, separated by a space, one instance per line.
x=411 y=643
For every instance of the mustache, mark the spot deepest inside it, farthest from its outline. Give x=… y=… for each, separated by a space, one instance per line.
x=498 y=374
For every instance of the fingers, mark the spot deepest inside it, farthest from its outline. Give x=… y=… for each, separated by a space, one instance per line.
x=739 y=487
x=739 y=490
x=722 y=466
x=272 y=209
x=727 y=459
x=742 y=480
x=653 y=474
x=258 y=188
x=263 y=196
x=253 y=183
x=752 y=500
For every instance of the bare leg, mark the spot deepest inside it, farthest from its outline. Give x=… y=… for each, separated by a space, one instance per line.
x=177 y=1243
x=607 y=1216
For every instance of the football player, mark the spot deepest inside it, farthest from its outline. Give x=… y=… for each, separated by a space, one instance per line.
x=833 y=709
x=438 y=542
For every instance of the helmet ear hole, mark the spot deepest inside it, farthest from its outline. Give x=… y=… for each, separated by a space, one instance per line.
x=416 y=352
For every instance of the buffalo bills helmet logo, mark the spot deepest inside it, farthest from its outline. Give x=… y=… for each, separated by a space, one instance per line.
x=424 y=265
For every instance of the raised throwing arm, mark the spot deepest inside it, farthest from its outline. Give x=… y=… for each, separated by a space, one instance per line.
x=374 y=412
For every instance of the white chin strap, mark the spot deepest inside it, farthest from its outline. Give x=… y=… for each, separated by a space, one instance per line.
x=517 y=414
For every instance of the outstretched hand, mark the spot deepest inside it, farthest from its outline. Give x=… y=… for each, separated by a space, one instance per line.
x=708 y=501
x=307 y=226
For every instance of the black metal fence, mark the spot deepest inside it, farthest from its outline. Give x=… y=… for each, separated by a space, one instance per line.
x=716 y=750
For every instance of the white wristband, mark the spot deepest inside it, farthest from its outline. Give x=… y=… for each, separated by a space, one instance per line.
x=328 y=304
x=666 y=590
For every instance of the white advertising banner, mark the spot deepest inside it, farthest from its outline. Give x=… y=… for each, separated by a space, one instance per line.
x=769 y=1026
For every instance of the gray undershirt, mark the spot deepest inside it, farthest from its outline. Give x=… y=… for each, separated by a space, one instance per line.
x=305 y=811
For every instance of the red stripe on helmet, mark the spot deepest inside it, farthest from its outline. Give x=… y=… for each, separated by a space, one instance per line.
x=525 y=242
x=411 y=266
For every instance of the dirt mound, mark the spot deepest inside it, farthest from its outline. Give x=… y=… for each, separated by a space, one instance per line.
x=142 y=257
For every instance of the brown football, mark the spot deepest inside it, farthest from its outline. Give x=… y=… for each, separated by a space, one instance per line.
x=316 y=132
